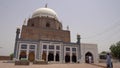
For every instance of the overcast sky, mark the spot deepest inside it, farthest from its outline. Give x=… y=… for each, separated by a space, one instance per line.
x=97 y=21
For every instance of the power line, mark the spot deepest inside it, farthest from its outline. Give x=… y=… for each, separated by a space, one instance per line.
x=110 y=29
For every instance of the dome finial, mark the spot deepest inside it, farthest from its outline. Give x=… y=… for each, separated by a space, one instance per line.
x=46 y=5
x=25 y=22
x=67 y=27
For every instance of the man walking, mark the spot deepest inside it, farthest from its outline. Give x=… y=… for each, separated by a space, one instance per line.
x=108 y=61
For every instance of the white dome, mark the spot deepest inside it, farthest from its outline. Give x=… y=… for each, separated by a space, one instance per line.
x=44 y=12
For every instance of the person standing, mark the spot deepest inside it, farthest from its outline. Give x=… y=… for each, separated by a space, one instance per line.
x=90 y=59
x=108 y=61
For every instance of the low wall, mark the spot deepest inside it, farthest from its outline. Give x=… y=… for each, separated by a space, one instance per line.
x=5 y=58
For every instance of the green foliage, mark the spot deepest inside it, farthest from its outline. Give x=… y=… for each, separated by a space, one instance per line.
x=11 y=55
x=103 y=52
x=115 y=50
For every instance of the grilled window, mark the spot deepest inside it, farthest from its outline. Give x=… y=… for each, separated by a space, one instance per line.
x=67 y=49
x=32 y=47
x=73 y=49
x=57 y=47
x=51 y=47
x=23 y=46
x=44 y=46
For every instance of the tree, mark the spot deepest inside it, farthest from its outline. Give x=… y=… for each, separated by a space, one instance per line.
x=102 y=55
x=115 y=50
x=103 y=52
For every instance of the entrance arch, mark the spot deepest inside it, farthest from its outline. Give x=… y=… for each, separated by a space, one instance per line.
x=22 y=55
x=74 y=59
x=44 y=56
x=89 y=57
x=31 y=56
x=51 y=56
x=67 y=58
x=57 y=57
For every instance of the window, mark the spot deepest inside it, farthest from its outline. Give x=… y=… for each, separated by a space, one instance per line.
x=73 y=49
x=67 y=49
x=57 y=47
x=44 y=46
x=51 y=47
x=32 y=25
x=59 y=28
x=47 y=24
x=23 y=46
x=32 y=47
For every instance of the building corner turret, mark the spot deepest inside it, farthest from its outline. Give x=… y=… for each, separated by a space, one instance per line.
x=79 y=48
x=15 y=47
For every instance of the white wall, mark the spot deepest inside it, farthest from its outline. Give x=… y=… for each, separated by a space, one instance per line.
x=92 y=48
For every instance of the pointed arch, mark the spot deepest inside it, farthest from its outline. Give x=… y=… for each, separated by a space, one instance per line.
x=31 y=56
x=74 y=58
x=67 y=58
x=23 y=55
x=44 y=56
x=51 y=56
x=89 y=57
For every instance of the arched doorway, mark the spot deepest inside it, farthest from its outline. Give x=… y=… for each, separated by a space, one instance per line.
x=89 y=57
x=67 y=58
x=57 y=57
x=50 y=56
x=74 y=59
x=31 y=56
x=22 y=55
x=44 y=56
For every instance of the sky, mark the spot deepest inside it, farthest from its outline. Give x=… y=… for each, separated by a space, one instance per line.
x=97 y=21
